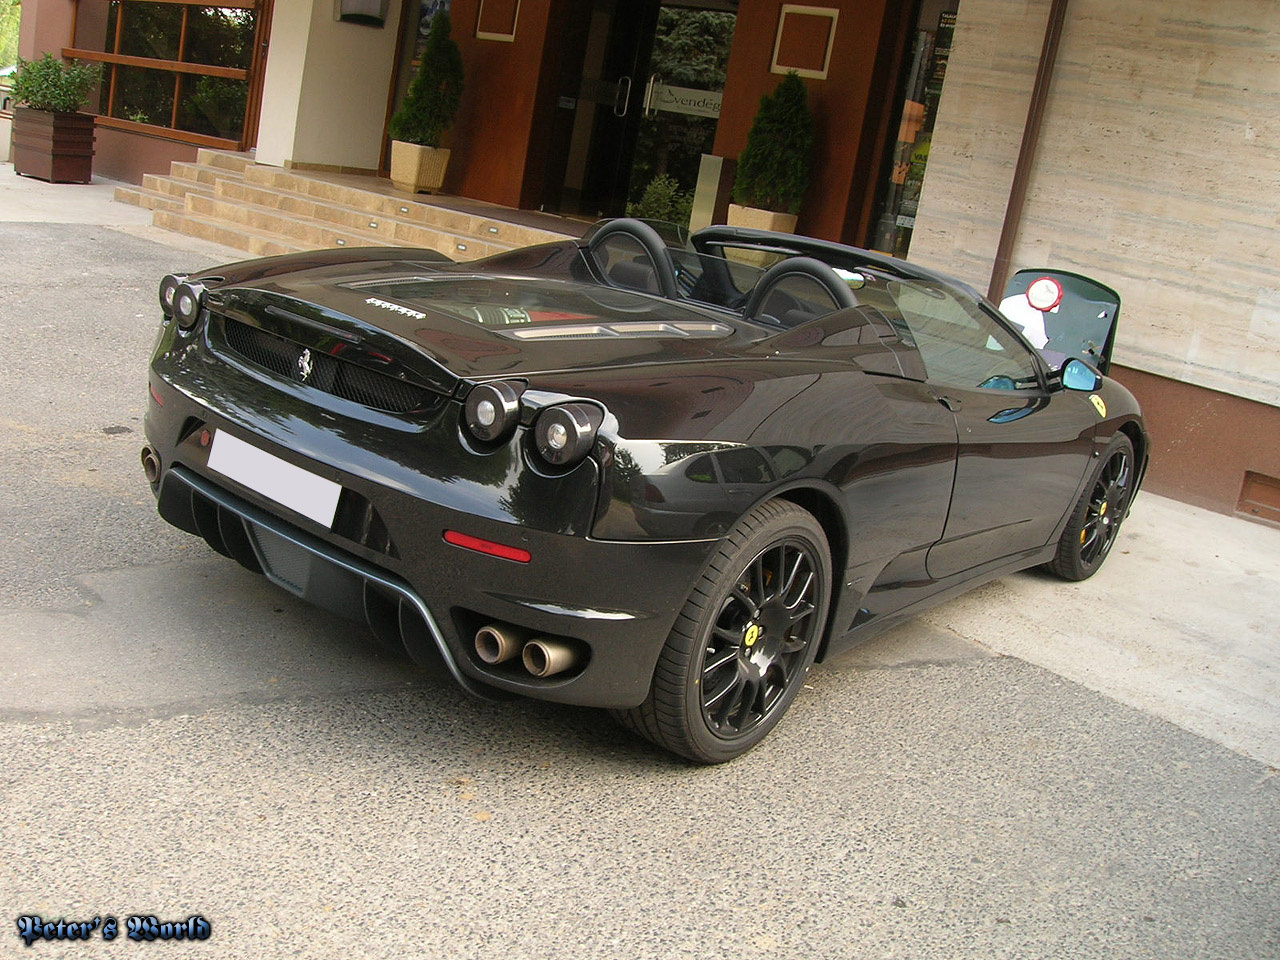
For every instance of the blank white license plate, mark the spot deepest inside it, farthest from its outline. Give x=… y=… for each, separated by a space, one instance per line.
x=299 y=490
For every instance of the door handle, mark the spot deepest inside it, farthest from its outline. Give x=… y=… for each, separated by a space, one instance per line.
x=621 y=96
x=951 y=403
x=649 y=91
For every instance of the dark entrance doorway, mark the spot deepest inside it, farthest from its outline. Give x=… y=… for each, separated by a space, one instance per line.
x=639 y=99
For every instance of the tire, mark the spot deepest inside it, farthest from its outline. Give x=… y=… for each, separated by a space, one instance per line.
x=1095 y=522
x=744 y=640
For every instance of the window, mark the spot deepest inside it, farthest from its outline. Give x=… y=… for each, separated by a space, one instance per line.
x=743 y=465
x=184 y=67
x=959 y=344
x=701 y=470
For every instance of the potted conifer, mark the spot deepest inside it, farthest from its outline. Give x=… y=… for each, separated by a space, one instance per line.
x=418 y=161
x=775 y=166
x=51 y=139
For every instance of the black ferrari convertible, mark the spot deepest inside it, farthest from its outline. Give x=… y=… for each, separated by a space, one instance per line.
x=643 y=471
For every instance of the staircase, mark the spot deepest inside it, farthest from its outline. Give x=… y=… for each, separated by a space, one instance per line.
x=229 y=199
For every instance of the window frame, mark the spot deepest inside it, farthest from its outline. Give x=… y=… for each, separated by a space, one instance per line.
x=180 y=69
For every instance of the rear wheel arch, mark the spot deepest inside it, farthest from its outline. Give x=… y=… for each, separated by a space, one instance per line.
x=743 y=642
x=830 y=517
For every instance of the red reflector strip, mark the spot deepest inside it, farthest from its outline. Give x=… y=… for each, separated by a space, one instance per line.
x=487 y=546
x=155 y=394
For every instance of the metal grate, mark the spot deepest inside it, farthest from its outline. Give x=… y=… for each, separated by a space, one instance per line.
x=323 y=371
x=287 y=563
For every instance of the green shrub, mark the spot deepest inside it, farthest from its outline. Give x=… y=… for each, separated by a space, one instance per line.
x=663 y=200
x=432 y=102
x=52 y=85
x=777 y=162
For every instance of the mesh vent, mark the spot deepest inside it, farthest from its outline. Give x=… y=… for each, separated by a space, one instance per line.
x=287 y=563
x=322 y=371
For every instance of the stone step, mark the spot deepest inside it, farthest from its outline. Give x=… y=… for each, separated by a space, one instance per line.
x=305 y=231
x=172 y=186
x=224 y=159
x=199 y=172
x=149 y=199
x=397 y=205
x=228 y=198
x=356 y=198
x=391 y=231
x=229 y=235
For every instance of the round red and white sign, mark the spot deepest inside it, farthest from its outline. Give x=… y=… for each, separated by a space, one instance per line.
x=1044 y=294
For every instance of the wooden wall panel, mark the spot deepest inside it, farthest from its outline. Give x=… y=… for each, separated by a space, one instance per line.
x=849 y=102
x=506 y=102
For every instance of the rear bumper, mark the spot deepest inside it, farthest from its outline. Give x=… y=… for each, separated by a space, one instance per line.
x=613 y=602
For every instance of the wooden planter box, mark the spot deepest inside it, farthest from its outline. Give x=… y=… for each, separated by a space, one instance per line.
x=57 y=147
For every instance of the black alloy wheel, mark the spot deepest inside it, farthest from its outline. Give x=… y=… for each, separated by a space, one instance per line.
x=757 y=642
x=744 y=641
x=1095 y=521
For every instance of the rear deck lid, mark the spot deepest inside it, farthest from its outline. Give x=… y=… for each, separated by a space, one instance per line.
x=442 y=327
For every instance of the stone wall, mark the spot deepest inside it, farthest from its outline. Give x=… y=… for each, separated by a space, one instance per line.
x=1158 y=172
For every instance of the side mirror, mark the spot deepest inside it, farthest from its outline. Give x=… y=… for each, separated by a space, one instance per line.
x=1064 y=315
x=1078 y=375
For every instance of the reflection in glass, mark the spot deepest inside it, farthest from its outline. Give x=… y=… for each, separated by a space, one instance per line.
x=143 y=96
x=151 y=30
x=220 y=36
x=164 y=31
x=213 y=106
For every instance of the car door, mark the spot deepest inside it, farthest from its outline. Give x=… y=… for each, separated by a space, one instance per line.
x=1022 y=449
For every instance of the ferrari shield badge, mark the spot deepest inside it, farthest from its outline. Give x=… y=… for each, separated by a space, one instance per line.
x=1099 y=403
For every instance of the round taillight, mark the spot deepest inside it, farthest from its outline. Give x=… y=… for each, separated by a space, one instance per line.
x=188 y=301
x=492 y=410
x=168 y=287
x=565 y=433
x=1044 y=294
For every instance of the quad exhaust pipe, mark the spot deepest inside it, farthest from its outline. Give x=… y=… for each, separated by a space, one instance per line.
x=541 y=656
x=545 y=657
x=498 y=644
x=150 y=465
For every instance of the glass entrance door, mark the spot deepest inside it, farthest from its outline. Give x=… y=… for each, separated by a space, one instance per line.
x=607 y=107
x=646 y=104
x=681 y=107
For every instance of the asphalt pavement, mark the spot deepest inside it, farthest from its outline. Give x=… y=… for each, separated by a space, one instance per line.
x=1034 y=770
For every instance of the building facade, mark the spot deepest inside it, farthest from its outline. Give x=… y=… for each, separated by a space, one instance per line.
x=1156 y=163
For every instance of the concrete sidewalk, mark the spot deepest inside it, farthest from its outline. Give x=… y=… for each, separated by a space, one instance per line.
x=1183 y=622
x=23 y=200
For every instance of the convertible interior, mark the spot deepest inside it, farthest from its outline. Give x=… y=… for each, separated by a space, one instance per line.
x=631 y=255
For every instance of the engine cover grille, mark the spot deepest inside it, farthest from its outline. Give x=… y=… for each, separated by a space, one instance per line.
x=323 y=371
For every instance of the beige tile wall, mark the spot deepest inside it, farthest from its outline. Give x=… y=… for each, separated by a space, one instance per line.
x=1158 y=171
